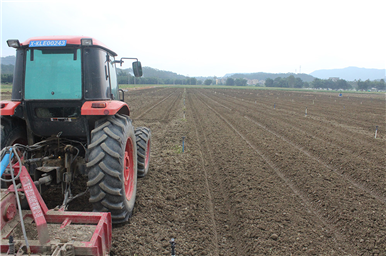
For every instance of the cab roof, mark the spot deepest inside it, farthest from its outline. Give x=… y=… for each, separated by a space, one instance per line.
x=71 y=40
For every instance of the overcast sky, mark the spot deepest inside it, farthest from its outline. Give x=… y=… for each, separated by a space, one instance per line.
x=212 y=38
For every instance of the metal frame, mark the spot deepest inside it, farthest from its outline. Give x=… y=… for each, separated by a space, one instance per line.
x=99 y=244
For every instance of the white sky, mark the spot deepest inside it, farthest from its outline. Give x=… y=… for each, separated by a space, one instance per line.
x=212 y=38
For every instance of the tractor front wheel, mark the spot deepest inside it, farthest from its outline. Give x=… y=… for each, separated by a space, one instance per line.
x=143 y=136
x=112 y=167
x=12 y=132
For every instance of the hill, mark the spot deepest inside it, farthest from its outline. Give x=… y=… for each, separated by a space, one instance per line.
x=9 y=60
x=7 y=64
x=351 y=73
x=7 y=69
x=149 y=72
x=348 y=74
x=161 y=74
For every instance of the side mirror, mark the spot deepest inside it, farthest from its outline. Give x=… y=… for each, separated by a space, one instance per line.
x=137 y=68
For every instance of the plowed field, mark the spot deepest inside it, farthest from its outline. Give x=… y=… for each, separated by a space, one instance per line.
x=262 y=173
x=259 y=175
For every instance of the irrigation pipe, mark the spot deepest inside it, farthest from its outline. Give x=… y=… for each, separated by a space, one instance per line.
x=14 y=186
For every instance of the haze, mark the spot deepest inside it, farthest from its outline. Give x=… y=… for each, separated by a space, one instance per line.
x=212 y=38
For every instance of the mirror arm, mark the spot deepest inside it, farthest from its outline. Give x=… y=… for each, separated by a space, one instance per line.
x=117 y=61
x=121 y=61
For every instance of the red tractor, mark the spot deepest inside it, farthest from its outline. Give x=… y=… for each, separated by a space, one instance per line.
x=67 y=118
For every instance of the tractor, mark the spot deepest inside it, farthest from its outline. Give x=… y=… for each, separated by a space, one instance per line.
x=67 y=119
x=68 y=111
x=66 y=122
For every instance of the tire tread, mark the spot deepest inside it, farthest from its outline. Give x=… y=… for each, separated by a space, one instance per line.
x=105 y=167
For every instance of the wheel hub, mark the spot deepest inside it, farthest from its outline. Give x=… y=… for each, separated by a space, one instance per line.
x=128 y=169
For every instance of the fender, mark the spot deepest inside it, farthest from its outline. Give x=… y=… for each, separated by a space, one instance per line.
x=8 y=107
x=104 y=108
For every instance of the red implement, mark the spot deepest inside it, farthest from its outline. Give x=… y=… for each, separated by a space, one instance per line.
x=51 y=232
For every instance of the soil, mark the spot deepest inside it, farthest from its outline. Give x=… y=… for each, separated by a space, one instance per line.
x=258 y=176
x=71 y=232
x=262 y=173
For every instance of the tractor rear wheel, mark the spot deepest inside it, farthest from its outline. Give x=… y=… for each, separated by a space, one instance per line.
x=112 y=167
x=143 y=136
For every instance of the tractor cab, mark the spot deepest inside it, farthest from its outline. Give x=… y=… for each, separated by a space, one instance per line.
x=55 y=76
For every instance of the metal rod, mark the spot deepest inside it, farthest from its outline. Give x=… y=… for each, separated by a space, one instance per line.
x=173 y=245
x=33 y=160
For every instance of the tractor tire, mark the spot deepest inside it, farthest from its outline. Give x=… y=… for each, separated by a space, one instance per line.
x=12 y=131
x=112 y=167
x=143 y=137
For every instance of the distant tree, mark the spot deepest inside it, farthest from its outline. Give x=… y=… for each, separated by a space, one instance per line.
x=364 y=85
x=381 y=85
x=328 y=83
x=168 y=81
x=298 y=83
x=199 y=82
x=6 y=78
x=192 y=81
x=124 y=79
x=7 y=69
x=342 y=84
x=317 y=83
x=291 y=81
x=208 y=81
x=230 y=81
x=241 y=82
x=268 y=82
x=280 y=82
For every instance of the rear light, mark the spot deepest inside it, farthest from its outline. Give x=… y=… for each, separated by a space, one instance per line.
x=3 y=105
x=86 y=41
x=98 y=105
x=13 y=43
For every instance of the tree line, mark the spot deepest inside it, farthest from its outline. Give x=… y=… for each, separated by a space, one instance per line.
x=264 y=76
x=6 y=78
x=155 y=76
x=124 y=78
x=366 y=85
x=286 y=82
x=237 y=81
x=292 y=82
x=7 y=74
x=343 y=84
x=331 y=84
